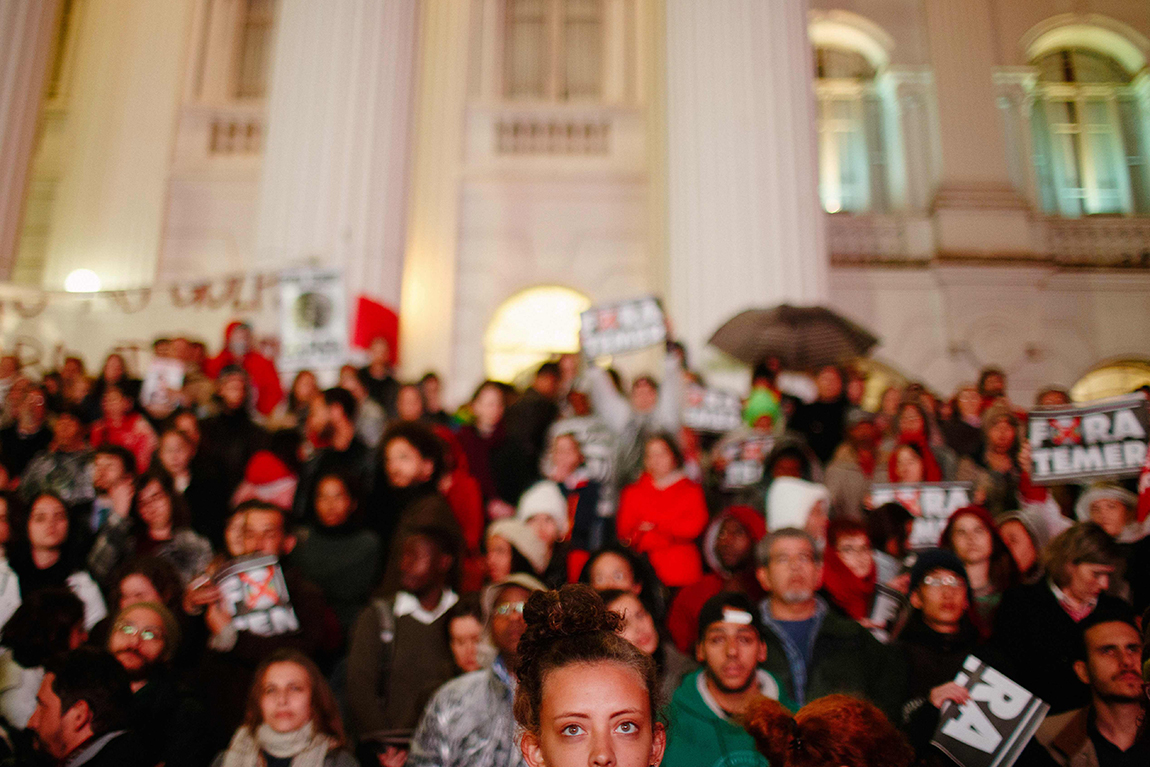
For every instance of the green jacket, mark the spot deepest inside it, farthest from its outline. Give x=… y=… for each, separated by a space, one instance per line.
x=845 y=658
x=699 y=735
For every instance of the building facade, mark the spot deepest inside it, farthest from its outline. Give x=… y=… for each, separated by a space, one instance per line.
x=968 y=178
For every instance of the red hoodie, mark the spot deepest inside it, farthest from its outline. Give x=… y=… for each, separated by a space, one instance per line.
x=261 y=372
x=676 y=516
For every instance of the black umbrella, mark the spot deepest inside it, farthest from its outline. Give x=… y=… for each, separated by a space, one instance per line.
x=802 y=337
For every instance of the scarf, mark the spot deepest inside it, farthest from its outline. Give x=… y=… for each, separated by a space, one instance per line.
x=305 y=747
x=850 y=592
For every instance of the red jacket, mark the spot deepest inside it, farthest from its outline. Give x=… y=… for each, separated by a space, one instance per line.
x=262 y=373
x=671 y=519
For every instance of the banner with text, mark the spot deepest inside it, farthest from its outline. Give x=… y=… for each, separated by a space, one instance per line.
x=623 y=327
x=931 y=503
x=1106 y=438
x=712 y=410
x=256 y=596
x=313 y=320
x=745 y=459
x=992 y=728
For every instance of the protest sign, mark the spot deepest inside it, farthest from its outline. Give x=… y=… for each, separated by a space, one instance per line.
x=162 y=383
x=256 y=596
x=931 y=503
x=884 y=613
x=712 y=410
x=990 y=729
x=1106 y=438
x=744 y=459
x=313 y=320
x=622 y=327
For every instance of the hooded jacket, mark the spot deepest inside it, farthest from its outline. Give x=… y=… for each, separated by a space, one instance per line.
x=677 y=513
x=700 y=734
x=790 y=501
x=261 y=371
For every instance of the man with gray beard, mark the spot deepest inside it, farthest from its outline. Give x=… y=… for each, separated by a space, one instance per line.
x=811 y=649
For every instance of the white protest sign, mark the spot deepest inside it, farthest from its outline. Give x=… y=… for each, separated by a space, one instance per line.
x=256 y=596
x=712 y=410
x=1106 y=438
x=931 y=504
x=622 y=327
x=313 y=320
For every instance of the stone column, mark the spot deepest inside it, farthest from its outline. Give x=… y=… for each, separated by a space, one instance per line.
x=334 y=180
x=427 y=309
x=745 y=227
x=977 y=209
x=27 y=33
x=122 y=111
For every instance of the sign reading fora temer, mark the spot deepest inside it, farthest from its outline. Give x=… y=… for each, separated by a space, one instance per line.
x=1101 y=439
x=993 y=726
x=622 y=327
x=255 y=594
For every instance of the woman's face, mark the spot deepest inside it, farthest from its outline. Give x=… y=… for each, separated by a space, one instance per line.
x=405 y=465
x=333 y=504
x=409 y=403
x=854 y=551
x=1111 y=514
x=1021 y=546
x=305 y=387
x=611 y=571
x=498 y=558
x=155 y=506
x=971 y=540
x=175 y=453
x=113 y=369
x=466 y=633
x=638 y=625
x=890 y=398
x=658 y=460
x=545 y=528
x=969 y=403
x=114 y=404
x=488 y=407
x=910 y=422
x=285 y=697
x=47 y=524
x=595 y=714
x=136 y=588
x=1001 y=435
x=908 y=465
x=565 y=455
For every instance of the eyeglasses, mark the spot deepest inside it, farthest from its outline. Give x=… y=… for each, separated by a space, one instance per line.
x=507 y=608
x=852 y=551
x=946 y=581
x=147 y=635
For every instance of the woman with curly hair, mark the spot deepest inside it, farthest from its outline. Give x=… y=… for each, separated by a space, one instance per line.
x=835 y=731
x=585 y=695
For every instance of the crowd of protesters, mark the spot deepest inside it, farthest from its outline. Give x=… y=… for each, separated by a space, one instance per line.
x=418 y=543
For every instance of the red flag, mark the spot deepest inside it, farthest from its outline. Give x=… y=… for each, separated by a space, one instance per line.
x=373 y=319
x=1144 y=490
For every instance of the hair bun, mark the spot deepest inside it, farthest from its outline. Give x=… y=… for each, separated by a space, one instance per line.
x=573 y=610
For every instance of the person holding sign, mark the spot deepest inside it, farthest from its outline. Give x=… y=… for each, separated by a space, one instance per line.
x=1110 y=730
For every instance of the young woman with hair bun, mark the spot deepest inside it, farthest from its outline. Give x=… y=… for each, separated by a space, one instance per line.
x=585 y=694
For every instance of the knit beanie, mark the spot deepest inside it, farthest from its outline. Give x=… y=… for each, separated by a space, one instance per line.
x=544 y=497
x=935 y=559
x=790 y=500
x=762 y=402
x=522 y=538
x=1100 y=491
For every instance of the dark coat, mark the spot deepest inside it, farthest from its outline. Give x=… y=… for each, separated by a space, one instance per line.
x=1038 y=642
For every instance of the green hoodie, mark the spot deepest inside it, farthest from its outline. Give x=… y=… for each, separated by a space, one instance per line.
x=700 y=735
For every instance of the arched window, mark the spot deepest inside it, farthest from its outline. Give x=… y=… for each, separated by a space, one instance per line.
x=1111 y=379
x=1089 y=156
x=530 y=327
x=554 y=49
x=852 y=172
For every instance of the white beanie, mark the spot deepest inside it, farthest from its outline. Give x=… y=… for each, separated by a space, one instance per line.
x=790 y=500
x=545 y=498
x=522 y=539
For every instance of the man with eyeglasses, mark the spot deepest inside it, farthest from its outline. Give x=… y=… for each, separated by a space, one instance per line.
x=144 y=638
x=468 y=722
x=936 y=639
x=812 y=650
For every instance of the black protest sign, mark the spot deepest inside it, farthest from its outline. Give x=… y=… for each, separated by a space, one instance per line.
x=885 y=610
x=1106 y=438
x=712 y=410
x=744 y=459
x=622 y=327
x=256 y=596
x=992 y=728
x=931 y=503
